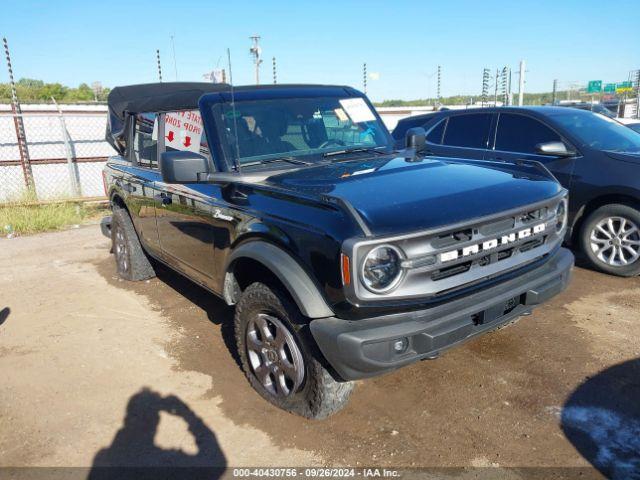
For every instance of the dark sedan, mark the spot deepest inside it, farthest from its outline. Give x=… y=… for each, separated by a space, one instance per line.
x=595 y=157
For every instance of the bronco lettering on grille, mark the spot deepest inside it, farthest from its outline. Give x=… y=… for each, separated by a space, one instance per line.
x=492 y=244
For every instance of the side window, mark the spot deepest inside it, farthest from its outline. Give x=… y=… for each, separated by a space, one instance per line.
x=145 y=141
x=183 y=130
x=470 y=131
x=520 y=133
x=435 y=135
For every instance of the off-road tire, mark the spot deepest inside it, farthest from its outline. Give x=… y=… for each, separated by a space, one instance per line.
x=136 y=265
x=319 y=395
x=590 y=223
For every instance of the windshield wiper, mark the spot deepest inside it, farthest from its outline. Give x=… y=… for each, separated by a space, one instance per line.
x=347 y=151
x=288 y=159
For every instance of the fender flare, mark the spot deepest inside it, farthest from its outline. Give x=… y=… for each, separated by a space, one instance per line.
x=299 y=285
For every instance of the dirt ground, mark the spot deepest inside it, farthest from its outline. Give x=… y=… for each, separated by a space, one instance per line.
x=98 y=371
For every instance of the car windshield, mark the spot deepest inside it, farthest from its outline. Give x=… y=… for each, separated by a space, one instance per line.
x=300 y=130
x=598 y=131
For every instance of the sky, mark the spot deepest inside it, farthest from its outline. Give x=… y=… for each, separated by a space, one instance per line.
x=325 y=41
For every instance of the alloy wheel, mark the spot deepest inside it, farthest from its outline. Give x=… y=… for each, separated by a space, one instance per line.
x=615 y=241
x=276 y=360
x=121 y=250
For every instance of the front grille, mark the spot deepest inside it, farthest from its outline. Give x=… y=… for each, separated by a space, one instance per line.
x=452 y=259
x=461 y=257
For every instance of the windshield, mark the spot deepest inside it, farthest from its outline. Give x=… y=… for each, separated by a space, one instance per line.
x=597 y=108
x=259 y=131
x=598 y=131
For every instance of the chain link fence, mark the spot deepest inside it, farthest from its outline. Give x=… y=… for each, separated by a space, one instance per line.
x=61 y=155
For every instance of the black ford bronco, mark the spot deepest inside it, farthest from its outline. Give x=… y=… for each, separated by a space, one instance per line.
x=344 y=257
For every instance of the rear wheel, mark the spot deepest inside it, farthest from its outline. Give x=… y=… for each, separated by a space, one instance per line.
x=610 y=239
x=131 y=261
x=276 y=351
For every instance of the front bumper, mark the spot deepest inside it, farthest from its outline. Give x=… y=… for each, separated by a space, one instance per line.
x=365 y=348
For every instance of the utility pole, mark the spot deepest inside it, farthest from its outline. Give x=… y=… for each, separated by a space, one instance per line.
x=439 y=84
x=364 y=77
x=521 y=84
x=159 y=66
x=503 y=85
x=256 y=52
x=638 y=94
x=554 y=98
x=486 y=74
x=509 y=91
x=275 y=77
x=18 y=123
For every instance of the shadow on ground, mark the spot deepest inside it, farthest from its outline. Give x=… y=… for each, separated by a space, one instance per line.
x=4 y=314
x=133 y=453
x=601 y=419
x=218 y=312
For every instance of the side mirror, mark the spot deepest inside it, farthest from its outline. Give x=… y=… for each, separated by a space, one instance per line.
x=183 y=167
x=416 y=138
x=554 y=149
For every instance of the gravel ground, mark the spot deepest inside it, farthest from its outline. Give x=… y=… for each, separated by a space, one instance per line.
x=98 y=371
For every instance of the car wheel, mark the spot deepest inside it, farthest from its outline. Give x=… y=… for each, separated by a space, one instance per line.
x=611 y=240
x=131 y=261
x=277 y=355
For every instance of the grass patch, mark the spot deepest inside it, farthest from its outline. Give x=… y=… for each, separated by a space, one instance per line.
x=22 y=218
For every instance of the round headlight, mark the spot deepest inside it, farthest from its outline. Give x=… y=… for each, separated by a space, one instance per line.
x=561 y=215
x=381 y=269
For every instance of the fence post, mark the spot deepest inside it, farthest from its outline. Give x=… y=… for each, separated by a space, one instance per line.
x=72 y=166
x=18 y=123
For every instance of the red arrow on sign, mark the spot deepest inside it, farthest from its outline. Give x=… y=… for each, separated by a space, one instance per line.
x=187 y=141
x=170 y=136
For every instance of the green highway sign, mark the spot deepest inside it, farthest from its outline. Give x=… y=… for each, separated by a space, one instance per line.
x=609 y=88
x=624 y=87
x=594 y=86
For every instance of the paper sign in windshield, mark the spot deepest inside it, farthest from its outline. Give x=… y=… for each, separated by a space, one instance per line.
x=357 y=110
x=182 y=130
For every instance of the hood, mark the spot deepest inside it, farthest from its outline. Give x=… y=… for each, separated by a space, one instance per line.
x=397 y=196
x=624 y=156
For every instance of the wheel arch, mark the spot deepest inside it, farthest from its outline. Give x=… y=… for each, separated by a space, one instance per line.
x=269 y=263
x=597 y=202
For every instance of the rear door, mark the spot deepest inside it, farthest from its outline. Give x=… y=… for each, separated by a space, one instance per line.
x=516 y=137
x=461 y=135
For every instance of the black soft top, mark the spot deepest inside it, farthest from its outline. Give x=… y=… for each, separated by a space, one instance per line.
x=152 y=97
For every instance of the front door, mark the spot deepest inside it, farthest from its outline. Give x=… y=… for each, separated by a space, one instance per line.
x=185 y=213
x=516 y=138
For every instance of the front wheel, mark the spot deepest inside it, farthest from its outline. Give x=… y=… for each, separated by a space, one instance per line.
x=610 y=239
x=276 y=352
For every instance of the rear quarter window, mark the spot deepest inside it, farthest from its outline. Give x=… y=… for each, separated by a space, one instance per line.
x=469 y=131
x=145 y=140
x=435 y=134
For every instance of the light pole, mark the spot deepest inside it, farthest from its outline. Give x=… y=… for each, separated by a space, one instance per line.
x=256 y=52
